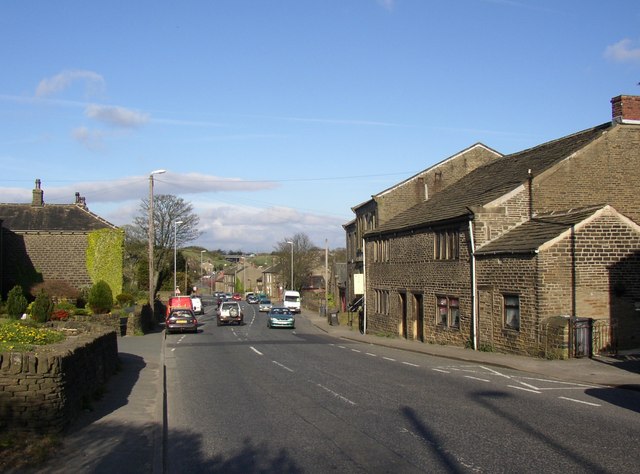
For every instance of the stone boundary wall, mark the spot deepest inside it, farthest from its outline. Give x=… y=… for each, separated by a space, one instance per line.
x=44 y=391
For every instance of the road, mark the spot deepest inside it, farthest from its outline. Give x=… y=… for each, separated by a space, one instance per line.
x=244 y=399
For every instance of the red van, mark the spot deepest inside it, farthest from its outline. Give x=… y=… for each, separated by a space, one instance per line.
x=179 y=302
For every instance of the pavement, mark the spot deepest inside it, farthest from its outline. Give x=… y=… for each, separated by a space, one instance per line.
x=125 y=430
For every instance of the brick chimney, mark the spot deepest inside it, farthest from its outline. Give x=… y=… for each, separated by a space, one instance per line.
x=625 y=109
x=38 y=195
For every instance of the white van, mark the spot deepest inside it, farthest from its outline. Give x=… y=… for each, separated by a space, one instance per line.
x=291 y=300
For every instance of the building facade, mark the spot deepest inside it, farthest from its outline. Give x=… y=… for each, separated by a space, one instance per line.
x=518 y=247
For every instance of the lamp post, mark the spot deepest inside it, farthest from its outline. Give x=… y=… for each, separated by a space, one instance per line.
x=175 y=252
x=151 y=238
x=201 y=270
x=291 y=243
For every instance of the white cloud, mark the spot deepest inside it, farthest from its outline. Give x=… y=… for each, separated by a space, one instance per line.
x=91 y=139
x=623 y=51
x=134 y=188
x=387 y=4
x=59 y=82
x=116 y=116
x=223 y=225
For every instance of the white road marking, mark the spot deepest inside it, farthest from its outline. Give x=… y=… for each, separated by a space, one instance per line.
x=443 y=371
x=255 y=350
x=475 y=378
x=335 y=394
x=412 y=365
x=580 y=401
x=389 y=358
x=494 y=372
x=524 y=389
x=281 y=365
x=370 y=354
x=355 y=350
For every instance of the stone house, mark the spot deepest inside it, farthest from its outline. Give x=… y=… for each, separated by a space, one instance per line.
x=510 y=252
x=65 y=242
x=390 y=202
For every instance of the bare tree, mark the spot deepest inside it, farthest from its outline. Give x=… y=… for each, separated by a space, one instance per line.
x=305 y=258
x=167 y=210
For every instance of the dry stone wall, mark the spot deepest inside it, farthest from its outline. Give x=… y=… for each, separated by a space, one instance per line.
x=44 y=391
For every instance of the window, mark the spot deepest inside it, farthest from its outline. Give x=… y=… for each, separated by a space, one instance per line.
x=512 y=312
x=446 y=245
x=448 y=311
x=381 y=250
x=381 y=302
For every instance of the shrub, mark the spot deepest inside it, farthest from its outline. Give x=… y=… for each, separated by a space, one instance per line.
x=57 y=289
x=42 y=307
x=125 y=299
x=81 y=312
x=16 y=302
x=101 y=298
x=59 y=315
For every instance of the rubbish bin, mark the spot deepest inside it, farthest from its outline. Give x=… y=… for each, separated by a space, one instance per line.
x=333 y=318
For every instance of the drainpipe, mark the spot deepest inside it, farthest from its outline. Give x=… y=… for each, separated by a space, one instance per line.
x=364 y=284
x=474 y=289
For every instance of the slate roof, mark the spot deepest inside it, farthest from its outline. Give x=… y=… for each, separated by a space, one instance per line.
x=531 y=235
x=489 y=182
x=51 y=218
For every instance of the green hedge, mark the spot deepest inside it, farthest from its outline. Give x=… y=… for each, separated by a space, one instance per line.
x=105 y=257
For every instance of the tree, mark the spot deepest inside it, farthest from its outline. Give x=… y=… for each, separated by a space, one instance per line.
x=305 y=258
x=100 y=297
x=167 y=209
x=16 y=302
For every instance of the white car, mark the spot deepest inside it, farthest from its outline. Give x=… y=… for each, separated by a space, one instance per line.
x=196 y=302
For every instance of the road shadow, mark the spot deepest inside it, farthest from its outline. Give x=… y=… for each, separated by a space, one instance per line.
x=615 y=396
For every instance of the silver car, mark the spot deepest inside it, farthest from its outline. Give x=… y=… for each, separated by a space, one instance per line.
x=264 y=305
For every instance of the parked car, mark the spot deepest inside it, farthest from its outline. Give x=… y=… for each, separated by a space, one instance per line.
x=252 y=299
x=230 y=312
x=264 y=305
x=196 y=301
x=281 y=317
x=181 y=320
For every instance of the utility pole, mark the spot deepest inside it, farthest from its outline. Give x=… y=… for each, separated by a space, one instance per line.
x=326 y=274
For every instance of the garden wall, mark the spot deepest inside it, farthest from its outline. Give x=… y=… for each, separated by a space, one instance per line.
x=44 y=391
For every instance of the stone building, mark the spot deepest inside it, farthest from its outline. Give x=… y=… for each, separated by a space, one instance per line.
x=65 y=242
x=390 y=202
x=506 y=255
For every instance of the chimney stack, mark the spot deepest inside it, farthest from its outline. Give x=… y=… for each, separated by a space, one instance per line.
x=626 y=109
x=38 y=195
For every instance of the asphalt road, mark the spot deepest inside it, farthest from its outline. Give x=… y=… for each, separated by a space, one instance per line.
x=244 y=399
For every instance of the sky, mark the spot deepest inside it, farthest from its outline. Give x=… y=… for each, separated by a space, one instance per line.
x=276 y=117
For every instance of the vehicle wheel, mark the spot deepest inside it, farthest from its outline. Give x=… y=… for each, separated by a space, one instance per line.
x=218 y=323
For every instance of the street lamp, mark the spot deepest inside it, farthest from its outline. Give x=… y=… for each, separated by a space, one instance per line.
x=201 y=270
x=151 y=238
x=291 y=243
x=175 y=252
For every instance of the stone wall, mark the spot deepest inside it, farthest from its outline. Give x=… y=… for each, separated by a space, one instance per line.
x=43 y=391
x=33 y=257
